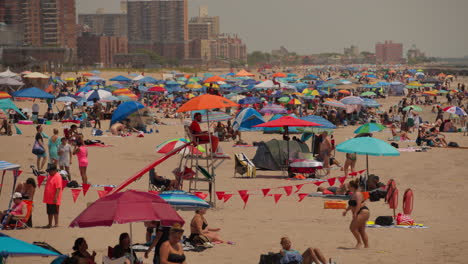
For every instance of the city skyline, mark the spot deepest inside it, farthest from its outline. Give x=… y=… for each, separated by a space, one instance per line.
x=433 y=26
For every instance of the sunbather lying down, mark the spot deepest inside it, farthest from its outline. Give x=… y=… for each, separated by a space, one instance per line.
x=342 y=190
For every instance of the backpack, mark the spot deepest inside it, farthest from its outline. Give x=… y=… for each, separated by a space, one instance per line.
x=384 y=220
x=453 y=144
x=270 y=258
x=374 y=196
x=395 y=145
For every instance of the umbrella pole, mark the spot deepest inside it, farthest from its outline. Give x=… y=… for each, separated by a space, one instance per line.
x=131 y=239
x=212 y=189
x=367 y=171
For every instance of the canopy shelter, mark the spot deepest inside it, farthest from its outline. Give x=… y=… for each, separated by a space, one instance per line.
x=6 y=166
x=8 y=74
x=244 y=73
x=33 y=92
x=10 y=83
x=6 y=104
x=36 y=75
x=12 y=247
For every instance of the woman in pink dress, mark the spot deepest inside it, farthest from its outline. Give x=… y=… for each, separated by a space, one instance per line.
x=81 y=153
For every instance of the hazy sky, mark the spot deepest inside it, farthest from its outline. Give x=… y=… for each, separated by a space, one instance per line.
x=437 y=27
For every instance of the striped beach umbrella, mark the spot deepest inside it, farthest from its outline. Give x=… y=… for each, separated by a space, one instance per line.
x=4 y=95
x=369 y=128
x=334 y=103
x=273 y=109
x=181 y=200
x=352 y=100
x=455 y=110
x=171 y=144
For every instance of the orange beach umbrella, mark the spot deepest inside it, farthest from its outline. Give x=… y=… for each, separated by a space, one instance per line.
x=206 y=101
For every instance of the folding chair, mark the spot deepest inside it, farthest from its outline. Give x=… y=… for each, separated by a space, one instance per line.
x=152 y=184
x=23 y=223
x=244 y=166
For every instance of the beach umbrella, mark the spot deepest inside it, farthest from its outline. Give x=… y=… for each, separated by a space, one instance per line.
x=121 y=91
x=455 y=110
x=171 y=144
x=443 y=91
x=120 y=78
x=369 y=128
x=87 y=74
x=12 y=247
x=4 y=95
x=273 y=109
x=215 y=116
x=36 y=75
x=250 y=100
x=33 y=92
x=127 y=207
x=368 y=94
x=194 y=86
x=66 y=99
x=367 y=146
x=124 y=110
x=181 y=200
x=294 y=101
x=352 y=100
x=124 y=98
x=284 y=99
x=206 y=101
x=370 y=103
x=334 y=103
x=344 y=92
x=70 y=79
x=325 y=124
x=214 y=79
x=156 y=89
x=430 y=93
x=279 y=75
x=415 y=108
x=98 y=94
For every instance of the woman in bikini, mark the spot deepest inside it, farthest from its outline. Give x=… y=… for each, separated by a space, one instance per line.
x=172 y=251
x=350 y=162
x=199 y=226
x=360 y=215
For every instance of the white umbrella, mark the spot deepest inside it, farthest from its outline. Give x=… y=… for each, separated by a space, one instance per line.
x=36 y=75
x=66 y=99
x=8 y=74
x=99 y=94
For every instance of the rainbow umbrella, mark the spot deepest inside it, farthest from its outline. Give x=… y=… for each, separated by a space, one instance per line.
x=171 y=144
x=455 y=110
x=181 y=200
x=4 y=95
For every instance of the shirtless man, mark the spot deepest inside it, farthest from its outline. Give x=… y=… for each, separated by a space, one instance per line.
x=325 y=150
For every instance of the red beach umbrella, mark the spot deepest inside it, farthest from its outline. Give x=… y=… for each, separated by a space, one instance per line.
x=127 y=207
x=288 y=121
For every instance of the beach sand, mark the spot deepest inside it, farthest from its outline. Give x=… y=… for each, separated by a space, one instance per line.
x=437 y=177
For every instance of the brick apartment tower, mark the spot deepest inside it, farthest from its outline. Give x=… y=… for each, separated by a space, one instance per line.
x=44 y=22
x=159 y=25
x=389 y=52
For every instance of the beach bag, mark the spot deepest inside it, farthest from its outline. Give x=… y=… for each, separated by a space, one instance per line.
x=73 y=184
x=403 y=219
x=453 y=144
x=200 y=240
x=270 y=258
x=395 y=145
x=38 y=149
x=384 y=220
x=374 y=196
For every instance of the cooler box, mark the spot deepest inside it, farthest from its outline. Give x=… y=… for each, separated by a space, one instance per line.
x=335 y=204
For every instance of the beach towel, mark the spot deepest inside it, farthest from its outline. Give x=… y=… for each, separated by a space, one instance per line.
x=371 y=224
x=99 y=145
x=243 y=146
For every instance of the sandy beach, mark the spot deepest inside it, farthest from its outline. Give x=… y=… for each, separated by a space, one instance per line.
x=437 y=177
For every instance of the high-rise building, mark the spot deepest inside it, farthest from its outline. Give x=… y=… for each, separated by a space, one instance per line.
x=389 y=52
x=199 y=30
x=93 y=49
x=159 y=24
x=203 y=18
x=45 y=22
x=114 y=25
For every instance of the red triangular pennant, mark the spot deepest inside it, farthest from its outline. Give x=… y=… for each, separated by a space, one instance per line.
x=277 y=196
x=201 y=195
x=342 y=179
x=352 y=174
x=302 y=196
x=318 y=183
x=265 y=191
x=299 y=187
x=108 y=189
x=220 y=195
x=288 y=190
x=64 y=183
x=17 y=173
x=245 y=198
x=86 y=188
x=361 y=171
x=242 y=192
x=40 y=179
x=331 y=181
x=101 y=193
x=227 y=196
x=75 y=194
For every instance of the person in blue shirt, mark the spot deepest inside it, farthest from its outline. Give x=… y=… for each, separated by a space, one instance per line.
x=291 y=256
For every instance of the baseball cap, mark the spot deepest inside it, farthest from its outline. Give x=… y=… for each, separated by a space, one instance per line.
x=17 y=195
x=51 y=167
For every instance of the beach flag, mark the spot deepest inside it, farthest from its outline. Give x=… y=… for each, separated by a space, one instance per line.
x=101 y=193
x=354 y=173
x=227 y=197
x=64 y=183
x=40 y=179
x=318 y=183
x=302 y=196
x=342 y=179
x=299 y=187
x=245 y=198
x=288 y=190
x=86 y=188
x=108 y=189
x=75 y=194
x=220 y=195
x=331 y=181
x=201 y=195
x=277 y=196
x=265 y=191
x=18 y=131
x=242 y=192
x=17 y=173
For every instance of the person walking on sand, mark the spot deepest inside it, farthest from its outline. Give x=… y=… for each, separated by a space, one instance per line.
x=360 y=215
x=65 y=156
x=41 y=158
x=54 y=142
x=53 y=194
x=81 y=153
x=325 y=151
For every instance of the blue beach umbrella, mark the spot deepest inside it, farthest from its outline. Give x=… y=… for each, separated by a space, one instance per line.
x=124 y=110
x=369 y=128
x=120 y=78
x=181 y=200
x=33 y=92
x=368 y=146
x=12 y=247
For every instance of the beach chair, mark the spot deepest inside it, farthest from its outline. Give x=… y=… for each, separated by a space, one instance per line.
x=107 y=260
x=23 y=223
x=244 y=166
x=152 y=184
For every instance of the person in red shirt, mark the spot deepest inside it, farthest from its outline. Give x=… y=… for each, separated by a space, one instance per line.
x=203 y=136
x=53 y=194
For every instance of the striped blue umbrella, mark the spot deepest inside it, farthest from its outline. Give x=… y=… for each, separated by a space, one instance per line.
x=181 y=200
x=352 y=100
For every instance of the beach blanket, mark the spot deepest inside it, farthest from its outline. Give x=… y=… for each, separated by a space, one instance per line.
x=371 y=224
x=330 y=196
x=99 y=145
x=243 y=146
x=410 y=149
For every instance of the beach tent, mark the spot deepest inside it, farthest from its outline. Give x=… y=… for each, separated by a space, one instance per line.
x=397 y=88
x=8 y=74
x=272 y=155
x=244 y=73
x=246 y=119
x=33 y=92
x=120 y=78
x=7 y=166
x=6 y=104
x=124 y=110
x=268 y=84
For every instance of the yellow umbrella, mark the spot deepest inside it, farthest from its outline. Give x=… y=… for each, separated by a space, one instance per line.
x=307 y=91
x=194 y=86
x=190 y=96
x=213 y=85
x=69 y=79
x=414 y=84
x=295 y=101
x=315 y=93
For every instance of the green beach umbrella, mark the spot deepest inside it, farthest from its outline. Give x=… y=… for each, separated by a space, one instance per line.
x=415 y=108
x=284 y=99
x=369 y=128
x=368 y=94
